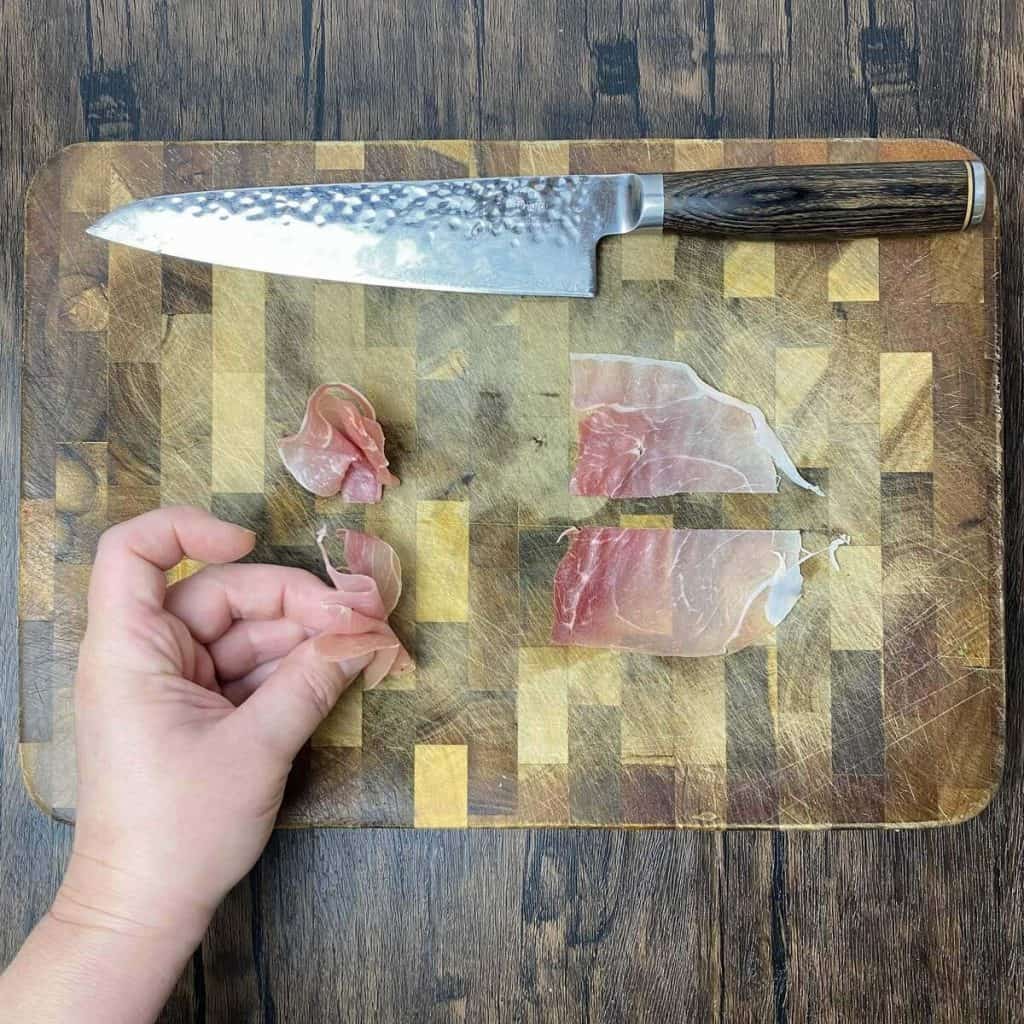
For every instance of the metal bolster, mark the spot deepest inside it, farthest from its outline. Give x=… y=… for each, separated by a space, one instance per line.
x=652 y=201
x=979 y=189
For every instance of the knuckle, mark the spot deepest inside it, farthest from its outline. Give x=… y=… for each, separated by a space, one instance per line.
x=110 y=539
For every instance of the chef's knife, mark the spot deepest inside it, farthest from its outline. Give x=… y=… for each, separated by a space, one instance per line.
x=535 y=236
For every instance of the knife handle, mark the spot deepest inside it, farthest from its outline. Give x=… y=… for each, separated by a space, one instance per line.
x=831 y=201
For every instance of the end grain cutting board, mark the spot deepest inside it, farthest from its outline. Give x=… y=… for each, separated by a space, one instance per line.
x=149 y=381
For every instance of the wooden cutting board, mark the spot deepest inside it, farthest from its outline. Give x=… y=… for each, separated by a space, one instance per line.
x=149 y=381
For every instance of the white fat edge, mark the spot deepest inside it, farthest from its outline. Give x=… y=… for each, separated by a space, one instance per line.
x=841 y=541
x=786 y=586
x=765 y=437
x=571 y=532
x=768 y=584
x=603 y=357
x=321 y=543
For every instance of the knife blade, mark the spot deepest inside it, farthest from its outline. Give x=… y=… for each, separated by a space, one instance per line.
x=534 y=235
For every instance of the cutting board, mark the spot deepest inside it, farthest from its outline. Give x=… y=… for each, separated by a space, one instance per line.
x=879 y=701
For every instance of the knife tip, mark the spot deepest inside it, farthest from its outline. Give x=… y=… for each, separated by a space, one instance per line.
x=114 y=227
x=98 y=228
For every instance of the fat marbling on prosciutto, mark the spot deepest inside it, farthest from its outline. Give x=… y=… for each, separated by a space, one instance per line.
x=650 y=427
x=689 y=593
x=361 y=639
x=339 y=447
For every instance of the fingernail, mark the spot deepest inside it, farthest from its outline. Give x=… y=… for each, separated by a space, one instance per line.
x=336 y=606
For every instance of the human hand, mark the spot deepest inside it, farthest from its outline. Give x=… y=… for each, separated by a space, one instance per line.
x=191 y=703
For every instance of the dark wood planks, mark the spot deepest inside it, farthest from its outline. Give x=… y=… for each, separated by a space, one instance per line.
x=838 y=926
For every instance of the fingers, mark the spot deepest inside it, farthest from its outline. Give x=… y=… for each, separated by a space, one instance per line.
x=381 y=666
x=238 y=690
x=132 y=557
x=210 y=600
x=345 y=621
x=387 y=660
x=204 y=673
x=286 y=708
x=346 y=648
x=351 y=654
x=247 y=645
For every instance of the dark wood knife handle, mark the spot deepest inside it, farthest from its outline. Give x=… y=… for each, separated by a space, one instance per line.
x=840 y=200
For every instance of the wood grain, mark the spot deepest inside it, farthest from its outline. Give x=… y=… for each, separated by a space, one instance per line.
x=824 y=201
x=471 y=379
x=795 y=927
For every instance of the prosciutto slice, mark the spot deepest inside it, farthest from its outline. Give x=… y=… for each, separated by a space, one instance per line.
x=688 y=593
x=339 y=447
x=650 y=427
x=367 y=591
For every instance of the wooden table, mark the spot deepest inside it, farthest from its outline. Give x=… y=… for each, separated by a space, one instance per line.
x=549 y=925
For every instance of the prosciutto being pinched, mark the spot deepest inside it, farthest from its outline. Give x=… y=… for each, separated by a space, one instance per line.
x=649 y=427
x=361 y=639
x=339 y=447
x=689 y=593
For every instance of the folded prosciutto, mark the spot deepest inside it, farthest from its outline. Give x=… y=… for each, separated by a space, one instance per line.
x=649 y=427
x=689 y=593
x=361 y=639
x=339 y=447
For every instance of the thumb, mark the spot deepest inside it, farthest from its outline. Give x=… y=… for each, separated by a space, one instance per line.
x=290 y=703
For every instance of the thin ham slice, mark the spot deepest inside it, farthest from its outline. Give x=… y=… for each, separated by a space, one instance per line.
x=688 y=593
x=650 y=427
x=339 y=447
x=367 y=593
